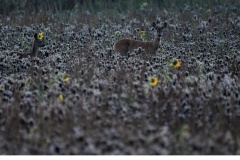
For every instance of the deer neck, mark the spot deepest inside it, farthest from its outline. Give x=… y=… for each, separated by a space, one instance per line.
x=34 y=49
x=156 y=42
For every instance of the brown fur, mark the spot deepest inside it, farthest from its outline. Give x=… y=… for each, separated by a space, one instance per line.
x=126 y=45
x=36 y=44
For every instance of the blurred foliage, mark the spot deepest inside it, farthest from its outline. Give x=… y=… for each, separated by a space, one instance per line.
x=9 y=6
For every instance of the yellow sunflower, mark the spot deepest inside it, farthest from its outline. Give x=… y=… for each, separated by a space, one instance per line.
x=145 y=4
x=153 y=81
x=65 y=79
x=175 y=63
x=143 y=33
x=40 y=36
x=164 y=11
x=60 y=96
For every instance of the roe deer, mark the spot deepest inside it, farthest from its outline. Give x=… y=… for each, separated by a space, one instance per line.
x=38 y=42
x=126 y=45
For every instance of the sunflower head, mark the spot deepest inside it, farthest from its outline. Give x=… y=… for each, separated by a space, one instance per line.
x=175 y=63
x=65 y=78
x=145 y=4
x=153 y=81
x=143 y=33
x=40 y=36
x=164 y=11
x=60 y=96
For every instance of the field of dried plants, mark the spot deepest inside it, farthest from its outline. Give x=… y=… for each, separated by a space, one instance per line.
x=80 y=97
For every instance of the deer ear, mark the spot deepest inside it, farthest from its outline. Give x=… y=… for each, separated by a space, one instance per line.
x=35 y=36
x=164 y=25
x=154 y=25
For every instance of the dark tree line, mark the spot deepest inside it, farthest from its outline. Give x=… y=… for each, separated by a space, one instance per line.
x=8 y=6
